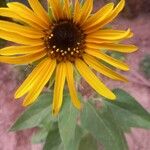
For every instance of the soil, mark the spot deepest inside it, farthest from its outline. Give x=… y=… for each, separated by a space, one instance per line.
x=138 y=86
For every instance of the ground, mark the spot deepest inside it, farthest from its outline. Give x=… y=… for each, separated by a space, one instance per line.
x=138 y=86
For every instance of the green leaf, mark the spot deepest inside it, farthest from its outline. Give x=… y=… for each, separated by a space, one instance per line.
x=79 y=134
x=108 y=117
x=67 y=123
x=128 y=112
x=41 y=134
x=103 y=127
x=35 y=114
x=60 y=147
x=88 y=142
x=53 y=140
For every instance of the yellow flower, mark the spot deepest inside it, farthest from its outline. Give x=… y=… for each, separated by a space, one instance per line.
x=70 y=39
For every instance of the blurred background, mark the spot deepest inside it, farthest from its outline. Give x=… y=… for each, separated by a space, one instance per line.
x=136 y=16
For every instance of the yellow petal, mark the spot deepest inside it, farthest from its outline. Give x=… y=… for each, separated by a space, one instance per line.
x=108 y=35
x=114 y=13
x=56 y=8
x=40 y=11
x=98 y=17
x=20 y=29
x=72 y=90
x=67 y=11
x=26 y=13
x=58 y=87
x=77 y=9
x=17 y=50
x=113 y=47
x=43 y=79
x=85 y=12
x=94 y=82
x=95 y=64
x=33 y=77
x=94 y=42
x=6 y=12
x=110 y=60
x=13 y=37
x=24 y=59
x=111 y=32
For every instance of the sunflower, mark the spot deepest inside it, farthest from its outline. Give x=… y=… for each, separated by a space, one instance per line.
x=68 y=39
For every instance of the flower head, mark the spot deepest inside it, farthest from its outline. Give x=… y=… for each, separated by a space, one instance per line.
x=71 y=38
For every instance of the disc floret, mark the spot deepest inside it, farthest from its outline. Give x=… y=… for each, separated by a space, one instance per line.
x=66 y=41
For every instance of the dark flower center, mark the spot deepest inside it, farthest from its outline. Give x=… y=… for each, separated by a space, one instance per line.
x=65 y=41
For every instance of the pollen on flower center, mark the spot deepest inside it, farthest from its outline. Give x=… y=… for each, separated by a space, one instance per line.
x=65 y=41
